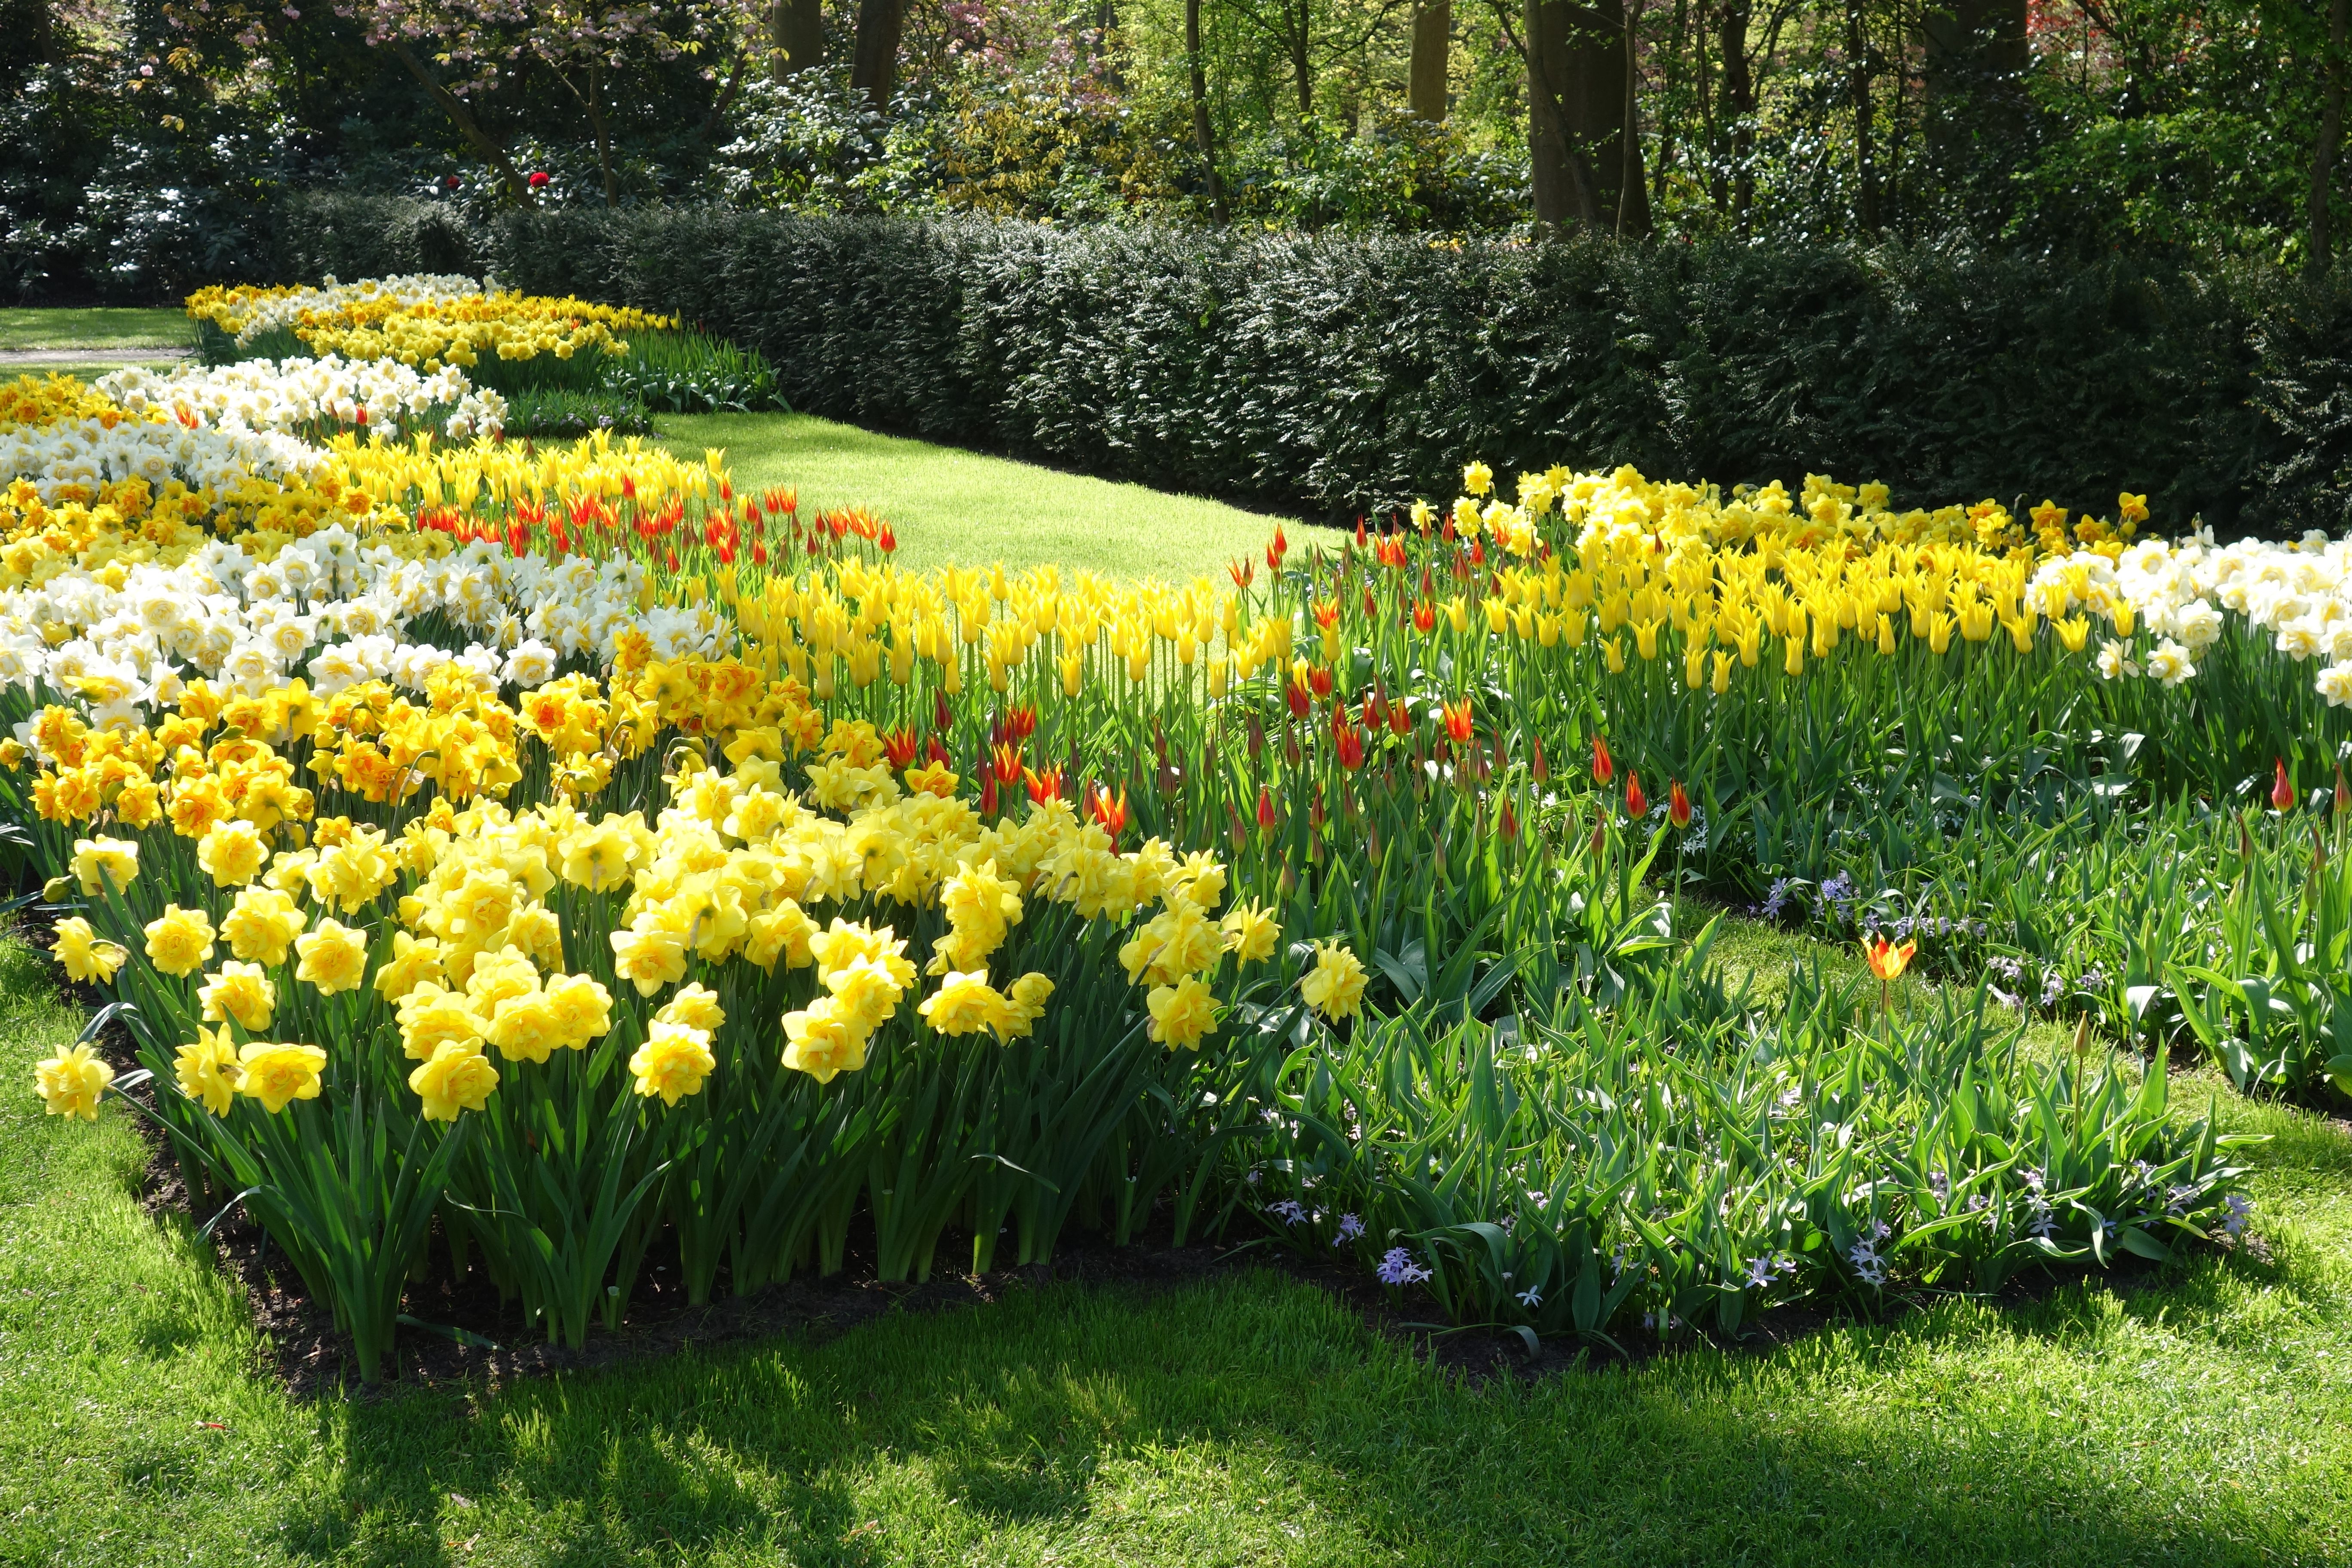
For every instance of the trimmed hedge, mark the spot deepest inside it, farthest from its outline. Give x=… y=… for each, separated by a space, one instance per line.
x=1347 y=376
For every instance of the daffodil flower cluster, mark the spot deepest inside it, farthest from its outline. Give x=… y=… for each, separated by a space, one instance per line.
x=246 y=311
x=73 y=459
x=2165 y=604
x=312 y=398
x=334 y=607
x=737 y=867
x=425 y=322
x=1623 y=503
x=45 y=400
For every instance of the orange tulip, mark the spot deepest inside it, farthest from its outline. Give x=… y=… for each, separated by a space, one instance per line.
x=1457 y=721
x=1678 y=807
x=1637 y=805
x=1604 y=766
x=1887 y=961
x=2282 y=788
x=1110 y=813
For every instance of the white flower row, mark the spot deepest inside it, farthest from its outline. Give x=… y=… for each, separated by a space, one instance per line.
x=2297 y=595
x=272 y=311
x=291 y=394
x=84 y=453
x=333 y=611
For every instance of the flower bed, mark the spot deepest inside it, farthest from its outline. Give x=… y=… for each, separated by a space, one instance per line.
x=567 y=861
x=566 y=365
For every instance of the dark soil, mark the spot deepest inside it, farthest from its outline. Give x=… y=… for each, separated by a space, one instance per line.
x=478 y=1339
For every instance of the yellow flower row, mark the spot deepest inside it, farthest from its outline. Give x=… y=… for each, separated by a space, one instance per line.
x=32 y=400
x=1623 y=504
x=428 y=333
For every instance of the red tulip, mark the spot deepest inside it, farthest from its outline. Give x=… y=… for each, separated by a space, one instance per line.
x=1678 y=811
x=1265 y=810
x=1604 y=766
x=1636 y=803
x=2283 y=788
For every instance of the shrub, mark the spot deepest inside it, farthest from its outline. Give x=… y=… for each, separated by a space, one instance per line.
x=1344 y=376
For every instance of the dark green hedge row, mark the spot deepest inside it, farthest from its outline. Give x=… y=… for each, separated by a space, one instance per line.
x=1345 y=375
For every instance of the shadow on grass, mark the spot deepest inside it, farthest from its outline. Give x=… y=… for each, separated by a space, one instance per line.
x=1253 y=1418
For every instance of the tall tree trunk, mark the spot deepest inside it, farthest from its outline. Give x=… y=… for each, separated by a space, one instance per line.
x=1857 y=50
x=874 y=58
x=1597 y=111
x=797 y=26
x=1582 y=149
x=1301 y=68
x=1674 y=54
x=1633 y=193
x=1562 y=196
x=1432 y=48
x=1105 y=31
x=1203 y=134
x=2331 y=136
x=1739 y=107
x=595 y=103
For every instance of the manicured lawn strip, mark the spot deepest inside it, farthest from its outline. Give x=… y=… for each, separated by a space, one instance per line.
x=1247 y=1419
x=95 y=329
x=953 y=506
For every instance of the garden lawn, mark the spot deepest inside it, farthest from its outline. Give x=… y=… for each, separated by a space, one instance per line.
x=95 y=331
x=954 y=506
x=2206 y=1420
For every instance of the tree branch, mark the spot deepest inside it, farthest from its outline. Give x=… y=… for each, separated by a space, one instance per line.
x=462 y=117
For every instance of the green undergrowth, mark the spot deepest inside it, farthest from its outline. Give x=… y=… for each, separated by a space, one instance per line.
x=954 y=506
x=2195 y=1417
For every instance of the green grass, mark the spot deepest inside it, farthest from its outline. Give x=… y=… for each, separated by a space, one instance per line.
x=95 y=330
x=953 y=506
x=1244 y=1420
